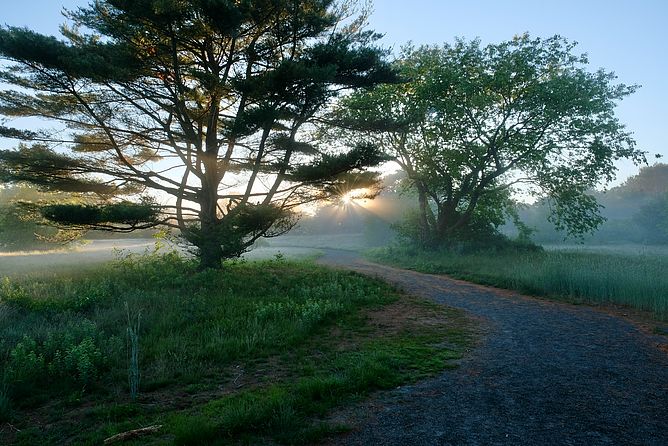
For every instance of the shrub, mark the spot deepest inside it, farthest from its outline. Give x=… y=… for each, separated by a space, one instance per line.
x=72 y=357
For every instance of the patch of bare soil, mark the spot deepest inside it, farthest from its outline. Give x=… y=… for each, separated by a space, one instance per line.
x=404 y=314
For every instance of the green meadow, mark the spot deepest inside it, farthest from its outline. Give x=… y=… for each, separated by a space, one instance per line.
x=629 y=277
x=149 y=341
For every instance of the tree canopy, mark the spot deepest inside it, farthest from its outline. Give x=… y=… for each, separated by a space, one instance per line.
x=473 y=124
x=190 y=114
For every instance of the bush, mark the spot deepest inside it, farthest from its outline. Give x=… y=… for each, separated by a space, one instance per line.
x=480 y=235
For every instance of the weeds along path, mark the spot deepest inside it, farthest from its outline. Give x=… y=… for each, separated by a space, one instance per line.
x=544 y=373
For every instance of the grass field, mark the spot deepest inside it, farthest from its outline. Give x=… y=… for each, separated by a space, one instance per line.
x=634 y=278
x=624 y=249
x=348 y=242
x=260 y=352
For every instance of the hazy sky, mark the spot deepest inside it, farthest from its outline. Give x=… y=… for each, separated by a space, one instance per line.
x=624 y=36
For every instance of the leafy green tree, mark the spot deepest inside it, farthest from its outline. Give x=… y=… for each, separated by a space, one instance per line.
x=202 y=105
x=473 y=124
x=645 y=196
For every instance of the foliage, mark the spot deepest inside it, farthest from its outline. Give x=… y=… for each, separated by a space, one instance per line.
x=6 y=411
x=649 y=181
x=81 y=215
x=206 y=103
x=479 y=237
x=69 y=355
x=474 y=123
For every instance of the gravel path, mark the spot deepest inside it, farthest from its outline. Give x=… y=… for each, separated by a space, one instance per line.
x=544 y=374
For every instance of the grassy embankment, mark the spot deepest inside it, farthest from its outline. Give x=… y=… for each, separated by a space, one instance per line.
x=638 y=281
x=258 y=352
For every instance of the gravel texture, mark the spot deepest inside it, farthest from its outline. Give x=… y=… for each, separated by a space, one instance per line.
x=544 y=373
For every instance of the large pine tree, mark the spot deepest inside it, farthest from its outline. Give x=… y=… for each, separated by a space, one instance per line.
x=201 y=105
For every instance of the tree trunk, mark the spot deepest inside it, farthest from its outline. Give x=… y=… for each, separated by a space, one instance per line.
x=210 y=252
x=449 y=223
x=425 y=228
x=443 y=231
x=209 y=243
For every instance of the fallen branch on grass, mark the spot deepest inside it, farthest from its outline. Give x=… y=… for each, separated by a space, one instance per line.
x=133 y=434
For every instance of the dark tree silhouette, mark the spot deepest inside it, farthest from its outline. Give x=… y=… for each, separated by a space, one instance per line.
x=190 y=114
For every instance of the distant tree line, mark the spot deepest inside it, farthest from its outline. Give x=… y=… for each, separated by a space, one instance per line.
x=635 y=212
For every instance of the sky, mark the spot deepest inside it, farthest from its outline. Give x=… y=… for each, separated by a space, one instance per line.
x=627 y=37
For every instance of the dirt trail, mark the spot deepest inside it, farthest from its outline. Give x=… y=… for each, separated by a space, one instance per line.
x=545 y=373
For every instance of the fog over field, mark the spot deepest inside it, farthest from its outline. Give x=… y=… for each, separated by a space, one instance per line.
x=92 y=253
x=83 y=256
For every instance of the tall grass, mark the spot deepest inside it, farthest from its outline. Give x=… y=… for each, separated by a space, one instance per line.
x=639 y=281
x=134 y=375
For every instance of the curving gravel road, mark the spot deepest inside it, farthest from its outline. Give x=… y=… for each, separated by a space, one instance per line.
x=544 y=373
